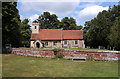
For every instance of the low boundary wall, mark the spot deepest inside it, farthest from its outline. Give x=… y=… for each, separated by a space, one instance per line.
x=97 y=55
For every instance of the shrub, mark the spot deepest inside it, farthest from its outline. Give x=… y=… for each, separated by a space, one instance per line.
x=60 y=56
x=93 y=58
x=87 y=58
x=56 y=50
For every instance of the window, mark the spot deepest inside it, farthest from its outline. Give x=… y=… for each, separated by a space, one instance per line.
x=35 y=27
x=65 y=42
x=46 y=43
x=76 y=42
x=55 y=43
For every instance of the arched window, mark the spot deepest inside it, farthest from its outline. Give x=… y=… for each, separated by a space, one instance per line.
x=35 y=27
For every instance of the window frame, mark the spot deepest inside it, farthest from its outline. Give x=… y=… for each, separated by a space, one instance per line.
x=46 y=43
x=65 y=42
x=54 y=43
x=75 y=42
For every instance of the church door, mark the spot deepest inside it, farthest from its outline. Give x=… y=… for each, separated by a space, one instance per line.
x=38 y=45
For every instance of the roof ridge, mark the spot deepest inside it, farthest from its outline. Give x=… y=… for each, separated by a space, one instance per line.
x=50 y=29
x=59 y=34
x=72 y=30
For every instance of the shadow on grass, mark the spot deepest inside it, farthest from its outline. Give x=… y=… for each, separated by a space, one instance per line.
x=5 y=52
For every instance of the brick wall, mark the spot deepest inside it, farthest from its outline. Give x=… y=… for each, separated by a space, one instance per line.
x=33 y=52
x=97 y=55
x=91 y=55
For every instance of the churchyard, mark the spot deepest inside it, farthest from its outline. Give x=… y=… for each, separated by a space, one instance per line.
x=78 y=56
x=23 y=66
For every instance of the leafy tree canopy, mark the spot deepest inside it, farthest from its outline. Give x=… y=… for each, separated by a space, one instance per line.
x=68 y=23
x=48 y=21
x=10 y=24
x=99 y=31
x=25 y=33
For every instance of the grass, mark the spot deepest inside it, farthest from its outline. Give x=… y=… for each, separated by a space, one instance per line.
x=21 y=66
x=70 y=48
x=37 y=48
x=88 y=49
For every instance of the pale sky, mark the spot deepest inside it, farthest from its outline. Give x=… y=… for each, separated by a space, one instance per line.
x=81 y=10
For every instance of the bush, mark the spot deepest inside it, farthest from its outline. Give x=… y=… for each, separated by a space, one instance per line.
x=6 y=51
x=90 y=58
x=87 y=58
x=60 y=56
x=56 y=50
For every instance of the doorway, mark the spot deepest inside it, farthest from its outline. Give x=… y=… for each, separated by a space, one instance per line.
x=38 y=45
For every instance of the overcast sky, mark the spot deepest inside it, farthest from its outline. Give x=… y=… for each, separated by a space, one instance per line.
x=81 y=10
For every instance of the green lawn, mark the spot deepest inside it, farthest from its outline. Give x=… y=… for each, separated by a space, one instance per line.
x=88 y=49
x=21 y=66
x=71 y=49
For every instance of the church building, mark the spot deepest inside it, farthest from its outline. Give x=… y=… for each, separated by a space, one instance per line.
x=56 y=38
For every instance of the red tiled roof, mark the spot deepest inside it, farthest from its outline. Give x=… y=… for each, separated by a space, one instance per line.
x=57 y=34
x=49 y=34
x=72 y=34
x=33 y=36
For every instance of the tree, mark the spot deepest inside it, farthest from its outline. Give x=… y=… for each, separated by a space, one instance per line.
x=25 y=33
x=115 y=34
x=80 y=27
x=97 y=31
x=86 y=35
x=10 y=24
x=48 y=21
x=68 y=23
